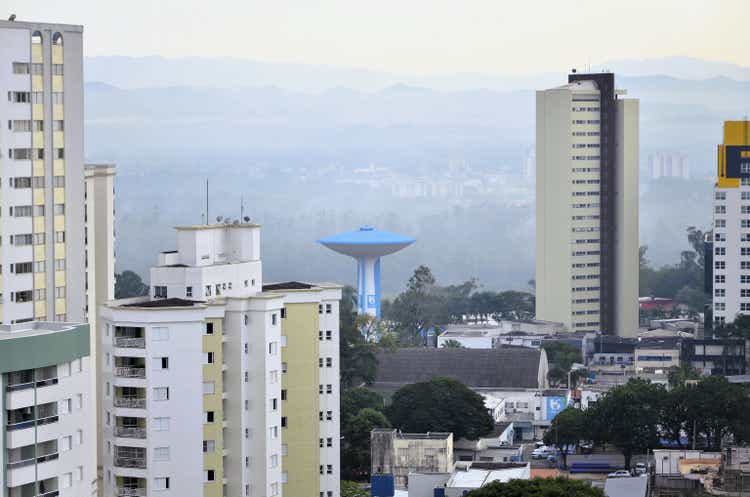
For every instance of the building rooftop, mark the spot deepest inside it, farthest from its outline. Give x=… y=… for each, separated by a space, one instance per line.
x=20 y=24
x=434 y=435
x=288 y=285
x=626 y=487
x=33 y=328
x=171 y=302
x=216 y=226
x=477 y=368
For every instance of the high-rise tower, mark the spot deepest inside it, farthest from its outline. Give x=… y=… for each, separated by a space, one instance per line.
x=41 y=169
x=587 y=206
x=731 y=230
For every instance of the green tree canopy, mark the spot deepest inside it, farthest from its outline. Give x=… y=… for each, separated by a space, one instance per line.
x=441 y=405
x=128 y=284
x=354 y=400
x=355 y=446
x=567 y=429
x=352 y=489
x=452 y=344
x=538 y=487
x=628 y=417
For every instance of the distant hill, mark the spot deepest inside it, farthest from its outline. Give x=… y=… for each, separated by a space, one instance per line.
x=225 y=72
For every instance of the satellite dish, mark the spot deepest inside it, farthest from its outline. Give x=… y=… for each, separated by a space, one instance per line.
x=219 y=218
x=12 y=17
x=246 y=219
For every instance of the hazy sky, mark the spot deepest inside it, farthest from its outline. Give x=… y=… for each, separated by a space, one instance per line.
x=412 y=36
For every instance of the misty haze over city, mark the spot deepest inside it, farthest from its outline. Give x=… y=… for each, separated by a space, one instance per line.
x=313 y=150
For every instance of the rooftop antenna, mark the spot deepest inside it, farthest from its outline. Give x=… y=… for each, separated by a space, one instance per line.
x=242 y=206
x=207 y=201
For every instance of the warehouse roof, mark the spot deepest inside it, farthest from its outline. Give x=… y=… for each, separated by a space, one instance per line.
x=511 y=367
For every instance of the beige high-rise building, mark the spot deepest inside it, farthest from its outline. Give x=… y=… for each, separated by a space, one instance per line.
x=41 y=169
x=587 y=206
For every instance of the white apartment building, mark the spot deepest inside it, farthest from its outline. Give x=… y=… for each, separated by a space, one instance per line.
x=587 y=206
x=41 y=170
x=48 y=442
x=193 y=374
x=731 y=226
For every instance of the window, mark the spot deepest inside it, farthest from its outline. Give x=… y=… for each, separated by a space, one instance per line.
x=208 y=290
x=329 y=362
x=720 y=265
x=161 y=393
x=161 y=453
x=161 y=363
x=59 y=209
x=209 y=357
x=720 y=209
x=57 y=97
x=744 y=251
x=59 y=292
x=329 y=334
x=274 y=489
x=40 y=266
x=283 y=340
x=66 y=406
x=59 y=264
x=745 y=167
x=273 y=461
x=209 y=327
x=320 y=308
x=320 y=335
x=719 y=292
x=284 y=368
x=320 y=362
x=329 y=442
x=720 y=250
x=66 y=443
x=745 y=293
x=247 y=376
x=744 y=279
x=67 y=480
x=160 y=292
x=720 y=195
x=209 y=388
x=720 y=223
x=57 y=69
x=19 y=97
x=161 y=483
x=159 y=334
x=329 y=415
x=283 y=393
x=161 y=424
x=329 y=469
x=283 y=421
x=58 y=125
x=209 y=446
x=273 y=432
x=20 y=68
x=329 y=308
x=283 y=313
x=745 y=209
x=745 y=223
x=59 y=237
x=720 y=306
x=210 y=475
x=273 y=348
x=274 y=404
x=329 y=388
x=273 y=319
x=21 y=267
x=208 y=417
x=720 y=278
x=745 y=306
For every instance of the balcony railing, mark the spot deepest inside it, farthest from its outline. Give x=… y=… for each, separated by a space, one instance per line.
x=130 y=343
x=30 y=423
x=130 y=462
x=131 y=492
x=29 y=462
x=31 y=384
x=131 y=402
x=129 y=372
x=51 y=493
x=130 y=432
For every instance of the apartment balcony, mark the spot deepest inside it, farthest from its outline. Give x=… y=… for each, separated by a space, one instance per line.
x=30 y=378
x=130 y=462
x=131 y=492
x=130 y=432
x=33 y=460
x=130 y=343
x=130 y=402
x=130 y=372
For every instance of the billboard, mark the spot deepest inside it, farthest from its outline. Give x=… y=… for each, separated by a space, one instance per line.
x=554 y=406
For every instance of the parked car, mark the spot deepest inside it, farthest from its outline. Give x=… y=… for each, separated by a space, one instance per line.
x=620 y=473
x=542 y=452
x=586 y=447
x=641 y=468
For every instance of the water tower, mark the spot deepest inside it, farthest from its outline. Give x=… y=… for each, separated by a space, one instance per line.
x=367 y=245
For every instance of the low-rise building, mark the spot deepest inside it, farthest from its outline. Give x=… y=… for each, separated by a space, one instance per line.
x=657 y=356
x=471 y=476
x=48 y=441
x=529 y=333
x=399 y=454
x=722 y=356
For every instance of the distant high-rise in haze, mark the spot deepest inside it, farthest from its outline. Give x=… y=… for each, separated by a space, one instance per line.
x=41 y=169
x=731 y=230
x=587 y=206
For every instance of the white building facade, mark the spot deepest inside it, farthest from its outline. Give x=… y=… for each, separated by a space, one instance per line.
x=192 y=374
x=41 y=154
x=48 y=441
x=587 y=206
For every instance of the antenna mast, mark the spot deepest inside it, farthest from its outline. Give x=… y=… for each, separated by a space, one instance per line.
x=242 y=208
x=207 y=218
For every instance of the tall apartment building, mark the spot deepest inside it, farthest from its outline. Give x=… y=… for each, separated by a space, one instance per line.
x=47 y=444
x=194 y=376
x=731 y=226
x=309 y=385
x=587 y=206
x=99 y=242
x=41 y=170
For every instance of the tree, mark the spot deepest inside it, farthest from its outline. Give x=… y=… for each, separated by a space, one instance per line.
x=568 y=428
x=354 y=400
x=352 y=489
x=628 y=417
x=128 y=284
x=355 y=447
x=442 y=405
x=452 y=344
x=538 y=487
x=561 y=356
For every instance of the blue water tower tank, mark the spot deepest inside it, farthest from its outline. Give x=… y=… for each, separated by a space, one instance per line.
x=382 y=485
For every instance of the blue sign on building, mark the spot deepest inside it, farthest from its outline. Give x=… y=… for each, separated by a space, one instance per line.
x=554 y=406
